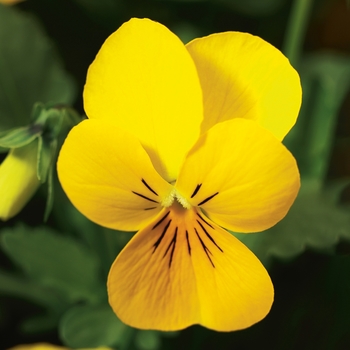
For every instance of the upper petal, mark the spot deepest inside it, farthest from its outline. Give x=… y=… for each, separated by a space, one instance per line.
x=144 y=79
x=241 y=175
x=109 y=177
x=244 y=76
x=182 y=269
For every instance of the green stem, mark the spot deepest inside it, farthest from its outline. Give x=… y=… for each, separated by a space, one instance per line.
x=295 y=33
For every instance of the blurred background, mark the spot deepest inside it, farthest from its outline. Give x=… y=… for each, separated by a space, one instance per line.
x=52 y=275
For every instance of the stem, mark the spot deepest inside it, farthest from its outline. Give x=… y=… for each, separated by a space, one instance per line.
x=295 y=33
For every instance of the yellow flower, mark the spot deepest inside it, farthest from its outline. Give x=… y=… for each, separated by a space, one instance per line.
x=180 y=142
x=38 y=346
x=46 y=346
x=18 y=179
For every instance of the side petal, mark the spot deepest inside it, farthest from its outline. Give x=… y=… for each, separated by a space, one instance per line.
x=145 y=80
x=109 y=177
x=182 y=269
x=244 y=76
x=241 y=176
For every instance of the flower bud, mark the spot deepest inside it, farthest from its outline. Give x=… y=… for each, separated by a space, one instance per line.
x=18 y=179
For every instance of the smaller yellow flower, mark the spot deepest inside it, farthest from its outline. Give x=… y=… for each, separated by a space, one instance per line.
x=45 y=346
x=18 y=179
x=38 y=346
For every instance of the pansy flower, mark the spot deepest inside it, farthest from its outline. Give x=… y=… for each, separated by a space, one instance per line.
x=182 y=143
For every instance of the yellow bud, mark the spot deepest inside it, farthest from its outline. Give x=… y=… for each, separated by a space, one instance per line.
x=18 y=179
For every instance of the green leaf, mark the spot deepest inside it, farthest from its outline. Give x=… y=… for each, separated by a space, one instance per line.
x=52 y=301
x=30 y=69
x=325 y=80
x=40 y=324
x=15 y=285
x=93 y=326
x=148 y=340
x=55 y=261
x=314 y=221
x=106 y=243
x=19 y=137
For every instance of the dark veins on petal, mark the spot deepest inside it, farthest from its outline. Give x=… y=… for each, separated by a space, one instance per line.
x=172 y=245
x=196 y=190
x=146 y=197
x=208 y=199
x=205 y=248
x=146 y=184
x=208 y=235
x=155 y=245
x=188 y=243
x=199 y=230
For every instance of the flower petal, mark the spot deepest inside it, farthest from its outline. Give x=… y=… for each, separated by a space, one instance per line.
x=244 y=76
x=241 y=175
x=182 y=269
x=144 y=79
x=109 y=177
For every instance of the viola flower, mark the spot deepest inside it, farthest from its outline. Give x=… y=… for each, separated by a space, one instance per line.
x=183 y=142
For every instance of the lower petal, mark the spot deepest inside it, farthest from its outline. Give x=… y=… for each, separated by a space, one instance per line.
x=181 y=270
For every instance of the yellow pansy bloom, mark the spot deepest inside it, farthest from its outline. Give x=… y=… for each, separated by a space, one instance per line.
x=182 y=142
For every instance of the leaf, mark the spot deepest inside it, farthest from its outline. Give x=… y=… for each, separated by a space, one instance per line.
x=104 y=242
x=52 y=301
x=55 y=261
x=30 y=69
x=19 y=286
x=39 y=324
x=325 y=79
x=148 y=340
x=93 y=326
x=19 y=137
x=314 y=221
